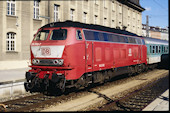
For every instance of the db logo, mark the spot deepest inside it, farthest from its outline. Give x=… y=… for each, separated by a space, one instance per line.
x=45 y=51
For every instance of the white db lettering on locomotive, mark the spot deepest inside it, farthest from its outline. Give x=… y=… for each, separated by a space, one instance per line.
x=47 y=51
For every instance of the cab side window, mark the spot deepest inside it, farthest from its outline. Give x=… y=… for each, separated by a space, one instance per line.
x=79 y=35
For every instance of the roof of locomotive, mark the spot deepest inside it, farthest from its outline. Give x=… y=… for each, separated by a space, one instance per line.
x=88 y=26
x=149 y=40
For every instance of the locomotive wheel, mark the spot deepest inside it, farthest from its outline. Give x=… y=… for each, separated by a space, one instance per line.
x=139 y=68
x=106 y=76
x=110 y=74
x=132 y=70
x=29 y=85
x=100 y=77
x=62 y=85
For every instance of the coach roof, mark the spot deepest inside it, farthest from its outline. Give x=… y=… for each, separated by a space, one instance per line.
x=88 y=26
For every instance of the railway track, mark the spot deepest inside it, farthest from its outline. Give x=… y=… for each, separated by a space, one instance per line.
x=138 y=99
x=37 y=102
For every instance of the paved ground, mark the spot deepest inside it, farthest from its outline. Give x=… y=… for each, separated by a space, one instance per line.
x=159 y=104
x=12 y=74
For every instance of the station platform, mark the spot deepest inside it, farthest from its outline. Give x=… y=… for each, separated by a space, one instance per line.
x=7 y=75
x=159 y=104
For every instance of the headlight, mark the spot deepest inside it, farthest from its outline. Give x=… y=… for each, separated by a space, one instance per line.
x=58 y=62
x=55 y=62
x=35 y=61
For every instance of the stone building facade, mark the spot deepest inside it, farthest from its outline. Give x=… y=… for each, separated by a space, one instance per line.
x=20 y=20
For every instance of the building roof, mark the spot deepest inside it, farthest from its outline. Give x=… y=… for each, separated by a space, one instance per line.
x=133 y=4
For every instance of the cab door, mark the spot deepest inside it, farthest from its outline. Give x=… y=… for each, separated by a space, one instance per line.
x=89 y=56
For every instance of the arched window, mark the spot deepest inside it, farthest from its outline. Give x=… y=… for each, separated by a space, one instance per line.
x=11 y=41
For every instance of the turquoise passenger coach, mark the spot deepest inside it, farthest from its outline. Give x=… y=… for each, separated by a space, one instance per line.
x=156 y=48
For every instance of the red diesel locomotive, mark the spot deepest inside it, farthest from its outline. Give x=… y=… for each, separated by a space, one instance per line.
x=72 y=54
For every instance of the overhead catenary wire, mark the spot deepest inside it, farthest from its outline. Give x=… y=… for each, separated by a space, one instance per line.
x=160 y=5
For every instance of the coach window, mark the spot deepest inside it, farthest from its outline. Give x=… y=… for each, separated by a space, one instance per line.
x=150 y=49
x=78 y=35
x=164 y=49
x=156 y=49
x=153 y=49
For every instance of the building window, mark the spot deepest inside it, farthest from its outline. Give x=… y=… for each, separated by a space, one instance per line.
x=159 y=49
x=95 y=19
x=96 y=2
x=113 y=8
x=113 y=23
x=104 y=3
x=10 y=7
x=11 y=41
x=36 y=9
x=120 y=8
x=84 y=17
x=72 y=14
x=56 y=13
x=128 y=13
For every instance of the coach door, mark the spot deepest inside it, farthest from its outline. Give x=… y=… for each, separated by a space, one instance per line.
x=89 y=56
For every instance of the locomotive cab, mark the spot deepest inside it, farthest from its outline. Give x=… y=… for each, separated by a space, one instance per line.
x=48 y=46
x=54 y=53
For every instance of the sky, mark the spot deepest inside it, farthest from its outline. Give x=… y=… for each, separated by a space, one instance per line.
x=158 y=12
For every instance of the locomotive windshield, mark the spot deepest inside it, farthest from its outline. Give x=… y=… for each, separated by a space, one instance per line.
x=59 y=34
x=41 y=35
